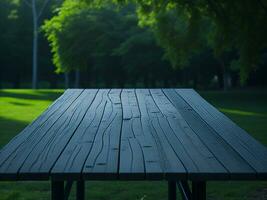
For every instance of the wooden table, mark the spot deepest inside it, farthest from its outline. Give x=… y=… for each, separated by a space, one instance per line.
x=133 y=134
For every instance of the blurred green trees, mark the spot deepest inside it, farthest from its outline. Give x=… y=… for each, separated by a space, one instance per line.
x=184 y=27
x=105 y=41
x=171 y=43
x=16 y=36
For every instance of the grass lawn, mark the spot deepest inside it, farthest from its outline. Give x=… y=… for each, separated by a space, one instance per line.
x=247 y=108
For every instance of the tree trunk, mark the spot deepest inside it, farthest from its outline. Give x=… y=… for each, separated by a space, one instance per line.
x=77 y=79
x=226 y=76
x=35 y=45
x=226 y=81
x=220 y=78
x=67 y=80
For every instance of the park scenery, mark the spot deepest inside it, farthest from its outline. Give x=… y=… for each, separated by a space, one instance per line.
x=216 y=47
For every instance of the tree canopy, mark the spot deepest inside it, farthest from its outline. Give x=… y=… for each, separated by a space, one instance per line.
x=222 y=25
x=105 y=40
x=184 y=27
x=200 y=43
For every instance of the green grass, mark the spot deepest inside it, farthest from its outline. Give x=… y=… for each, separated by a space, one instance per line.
x=19 y=107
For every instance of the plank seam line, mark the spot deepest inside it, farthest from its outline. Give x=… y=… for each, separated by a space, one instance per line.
x=130 y=142
x=143 y=155
x=30 y=135
x=174 y=135
x=197 y=135
x=84 y=131
x=52 y=139
x=95 y=132
x=72 y=133
x=194 y=133
x=46 y=132
x=162 y=154
x=93 y=121
x=218 y=134
x=93 y=117
x=168 y=139
x=71 y=161
x=131 y=154
x=243 y=141
x=119 y=151
x=106 y=128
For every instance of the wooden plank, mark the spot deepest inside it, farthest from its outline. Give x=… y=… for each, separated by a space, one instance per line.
x=43 y=157
x=228 y=157
x=154 y=157
x=179 y=133
x=27 y=132
x=133 y=134
x=171 y=161
x=102 y=161
x=132 y=161
x=16 y=151
x=133 y=130
x=254 y=153
x=73 y=158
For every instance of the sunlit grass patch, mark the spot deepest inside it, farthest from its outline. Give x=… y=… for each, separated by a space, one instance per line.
x=241 y=112
x=25 y=105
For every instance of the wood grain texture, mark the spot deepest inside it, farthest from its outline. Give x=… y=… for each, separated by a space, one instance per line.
x=132 y=161
x=102 y=160
x=133 y=134
x=72 y=159
x=42 y=158
x=16 y=151
x=152 y=123
x=202 y=161
x=237 y=167
x=247 y=147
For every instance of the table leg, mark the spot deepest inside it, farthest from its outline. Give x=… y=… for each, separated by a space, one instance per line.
x=80 y=190
x=184 y=190
x=199 y=190
x=57 y=190
x=172 y=190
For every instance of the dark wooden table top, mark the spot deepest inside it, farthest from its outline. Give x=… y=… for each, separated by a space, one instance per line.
x=133 y=134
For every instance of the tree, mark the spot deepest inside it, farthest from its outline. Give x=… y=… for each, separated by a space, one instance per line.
x=107 y=42
x=36 y=15
x=75 y=45
x=8 y=17
x=224 y=25
x=185 y=27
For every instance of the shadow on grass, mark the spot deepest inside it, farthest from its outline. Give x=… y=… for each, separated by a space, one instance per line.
x=9 y=129
x=34 y=94
x=19 y=190
x=20 y=104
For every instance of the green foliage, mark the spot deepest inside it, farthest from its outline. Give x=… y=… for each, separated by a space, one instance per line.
x=102 y=38
x=107 y=41
x=16 y=33
x=54 y=30
x=80 y=33
x=184 y=27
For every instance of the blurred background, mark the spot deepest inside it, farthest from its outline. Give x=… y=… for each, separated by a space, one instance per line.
x=218 y=47
x=85 y=43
